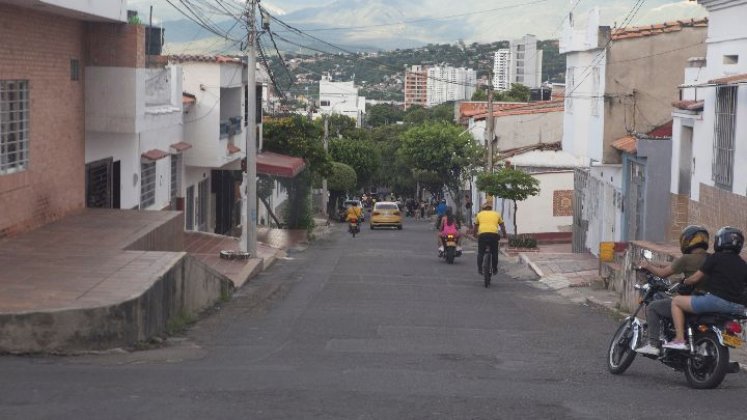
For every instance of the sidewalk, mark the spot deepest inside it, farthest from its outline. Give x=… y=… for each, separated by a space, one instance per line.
x=101 y=279
x=576 y=277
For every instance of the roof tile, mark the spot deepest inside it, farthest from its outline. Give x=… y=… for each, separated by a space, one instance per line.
x=656 y=29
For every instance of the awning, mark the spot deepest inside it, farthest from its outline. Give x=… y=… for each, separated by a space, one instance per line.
x=233 y=149
x=188 y=99
x=689 y=105
x=154 y=155
x=275 y=164
x=627 y=144
x=729 y=80
x=181 y=146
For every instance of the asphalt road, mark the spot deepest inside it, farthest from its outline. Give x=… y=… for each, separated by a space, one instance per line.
x=372 y=327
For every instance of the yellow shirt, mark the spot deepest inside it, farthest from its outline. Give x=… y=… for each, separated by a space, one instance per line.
x=488 y=221
x=353 y=213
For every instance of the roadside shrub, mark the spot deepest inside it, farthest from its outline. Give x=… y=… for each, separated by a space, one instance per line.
x=522 y=241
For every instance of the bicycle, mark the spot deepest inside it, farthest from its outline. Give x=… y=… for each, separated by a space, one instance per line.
x=487 y=264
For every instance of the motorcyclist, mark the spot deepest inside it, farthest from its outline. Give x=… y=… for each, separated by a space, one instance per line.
x=449 y=226
x=722 y=278
x=354 y=213
x=694 y=246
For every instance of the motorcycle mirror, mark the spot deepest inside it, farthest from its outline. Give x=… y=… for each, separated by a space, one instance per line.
x=647 y=254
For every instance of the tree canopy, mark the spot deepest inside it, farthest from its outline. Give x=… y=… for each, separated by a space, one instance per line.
x=362 y=155
x=509 y=183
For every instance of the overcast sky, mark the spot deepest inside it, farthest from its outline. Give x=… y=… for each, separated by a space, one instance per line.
x=501 y=19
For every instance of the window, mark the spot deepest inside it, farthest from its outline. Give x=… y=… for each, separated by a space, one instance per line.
x=74 y=69
x=324 y=103
x=14 y=126
x=147 y=184
x=174 y=177
x=731 y=59
x=724 y=133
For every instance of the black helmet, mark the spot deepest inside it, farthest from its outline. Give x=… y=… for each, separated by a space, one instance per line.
x=692 y=237
x=728 y=239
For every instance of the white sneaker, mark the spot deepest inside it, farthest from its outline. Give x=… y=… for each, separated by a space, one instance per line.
x=675 y=345
x=440 y=249
x=648 y=349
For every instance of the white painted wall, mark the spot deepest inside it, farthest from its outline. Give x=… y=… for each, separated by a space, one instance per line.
x=535 y=214
x=524 y=130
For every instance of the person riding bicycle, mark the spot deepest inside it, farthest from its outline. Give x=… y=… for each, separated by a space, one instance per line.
x=487 y=223
x=723 y=276
x=354 y=213
x=694 y=246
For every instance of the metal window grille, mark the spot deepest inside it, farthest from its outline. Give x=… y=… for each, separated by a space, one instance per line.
x=14 y=126
x=147 y=184
x=725 y=128
x=174 y=177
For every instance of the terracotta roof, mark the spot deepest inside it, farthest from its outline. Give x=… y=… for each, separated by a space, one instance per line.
x=181 y=146
x=657 y=29
x=737 y=78
x=522 y=109
x=508 y=153
x=627 y=144
x=233 y=149
x=689 y=105
x=664 y=130
x=276 y=164
x=470 y=109
x=185 y=58
x=154 y=154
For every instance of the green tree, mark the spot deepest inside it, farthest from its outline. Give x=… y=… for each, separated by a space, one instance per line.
x=517 y=93
x=362 y=155
x=444 y=150
x=480 y=95
x=511 y=184
x=383 y=114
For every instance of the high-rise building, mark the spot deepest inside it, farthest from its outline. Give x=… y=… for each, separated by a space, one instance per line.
x=502 y=70
x=446 y=84
x=521 y=63
x=416 y=79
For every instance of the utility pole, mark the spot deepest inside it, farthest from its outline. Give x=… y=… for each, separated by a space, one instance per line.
x=249 y=187
x=490 y=124
x=325 y=192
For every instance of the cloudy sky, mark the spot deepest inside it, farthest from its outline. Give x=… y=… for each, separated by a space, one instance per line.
x=449 y=20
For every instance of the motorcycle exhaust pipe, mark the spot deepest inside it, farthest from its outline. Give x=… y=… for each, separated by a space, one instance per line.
x=734 y=367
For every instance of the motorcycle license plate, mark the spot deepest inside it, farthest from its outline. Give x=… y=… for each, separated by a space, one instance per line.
x=732 y=340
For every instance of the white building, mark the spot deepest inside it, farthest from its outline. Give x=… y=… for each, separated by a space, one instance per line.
x=709 y=154
x=133 y=130
x=341 y=98
x=502 y=77
x=520 y=63
x=445 y=84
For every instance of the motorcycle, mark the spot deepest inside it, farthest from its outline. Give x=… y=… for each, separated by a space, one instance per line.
x=709 y=337
x=450 y=250
x=354 y=228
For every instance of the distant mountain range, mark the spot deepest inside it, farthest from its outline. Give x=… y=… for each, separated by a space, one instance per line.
x=372 y=25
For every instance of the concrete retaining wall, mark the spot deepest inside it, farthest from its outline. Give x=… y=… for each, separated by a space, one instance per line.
x=187 y=287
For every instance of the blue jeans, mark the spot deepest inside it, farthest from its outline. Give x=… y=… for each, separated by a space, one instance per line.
x=713 y=303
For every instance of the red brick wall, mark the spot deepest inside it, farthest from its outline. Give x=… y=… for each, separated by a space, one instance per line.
x=116 y=45
x=714 y=209
x=38 y=47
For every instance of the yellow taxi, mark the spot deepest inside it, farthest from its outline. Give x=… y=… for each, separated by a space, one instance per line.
x=386 y=214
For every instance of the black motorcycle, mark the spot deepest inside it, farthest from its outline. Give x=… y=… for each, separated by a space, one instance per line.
x=709 y=337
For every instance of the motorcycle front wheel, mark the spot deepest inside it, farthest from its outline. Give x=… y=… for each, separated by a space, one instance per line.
x=620 y=355
x=708 y=366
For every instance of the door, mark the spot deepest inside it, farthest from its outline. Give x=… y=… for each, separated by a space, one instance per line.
x=116 y=185
x=580 y=223
x=686 y=161
x=99 y=184
x=203 y=198
x=190 y=204
x=634 y=207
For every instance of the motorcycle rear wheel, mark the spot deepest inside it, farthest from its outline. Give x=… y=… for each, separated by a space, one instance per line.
x=708 y=367
x=450 y=253
x=620 y=356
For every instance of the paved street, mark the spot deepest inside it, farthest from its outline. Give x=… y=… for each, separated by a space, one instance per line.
x=372 y=327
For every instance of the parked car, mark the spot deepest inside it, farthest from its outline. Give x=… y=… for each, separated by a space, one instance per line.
x=386 y=214
x=343 y=211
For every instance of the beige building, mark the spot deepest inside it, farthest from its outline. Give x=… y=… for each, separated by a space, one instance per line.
x=416 y=87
